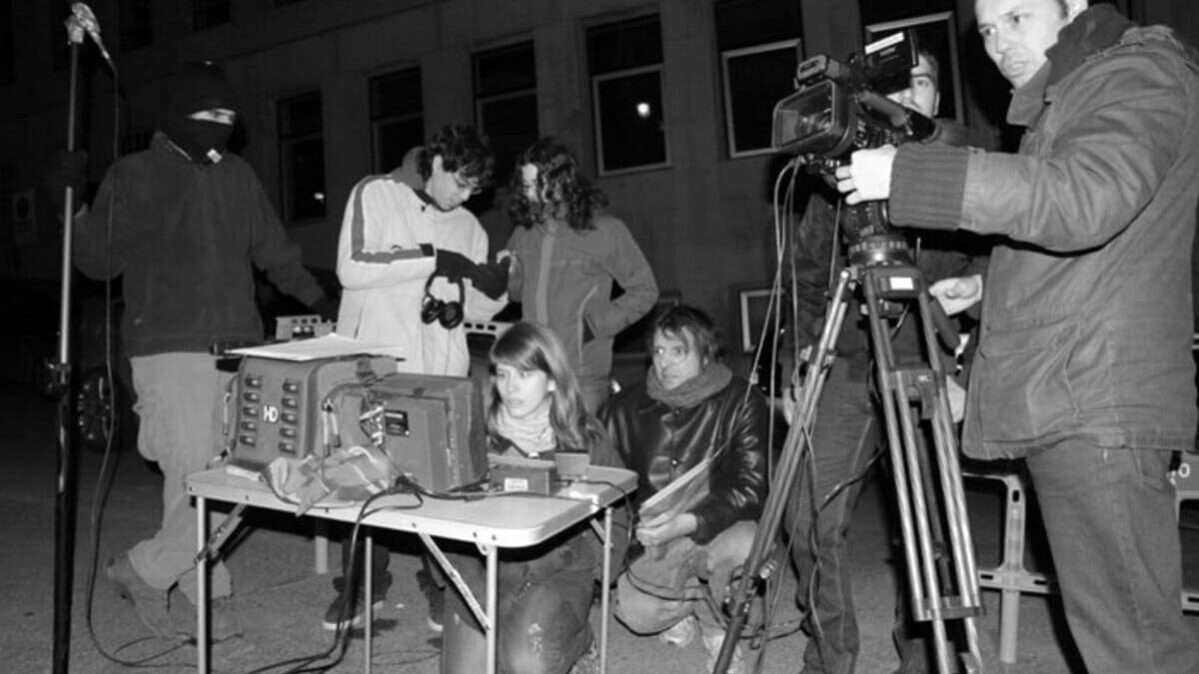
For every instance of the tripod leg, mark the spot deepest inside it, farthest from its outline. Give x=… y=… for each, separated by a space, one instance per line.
x=924 y=512
x=794 y=446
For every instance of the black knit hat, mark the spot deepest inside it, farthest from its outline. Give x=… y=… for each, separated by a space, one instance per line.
x=199 y=86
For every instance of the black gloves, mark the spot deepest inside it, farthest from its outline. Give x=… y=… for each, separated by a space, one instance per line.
x=453 y=265
x=491 y=278
x=65 y=169
x=326 y=307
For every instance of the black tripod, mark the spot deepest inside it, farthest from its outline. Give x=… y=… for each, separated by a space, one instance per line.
x=941 y=573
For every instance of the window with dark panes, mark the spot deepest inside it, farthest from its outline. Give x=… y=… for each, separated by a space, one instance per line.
x=397 y=117
x=505 y=84
x=209 y=13
x=759 y=43
x=136 y=25
x=7 y=65
x=302 y=157
x=625 y=62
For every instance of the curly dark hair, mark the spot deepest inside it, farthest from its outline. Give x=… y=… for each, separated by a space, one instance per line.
x=569 y=194
x=462 y=150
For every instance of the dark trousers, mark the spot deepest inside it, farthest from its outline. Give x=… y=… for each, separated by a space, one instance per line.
x=544 y=607
x=1113 y=534
x=380 y=559
x=845 y=436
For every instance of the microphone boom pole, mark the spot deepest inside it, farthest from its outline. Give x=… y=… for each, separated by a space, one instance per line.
x=59 y=372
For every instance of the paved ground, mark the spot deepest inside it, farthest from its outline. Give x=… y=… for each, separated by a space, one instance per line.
x=281 y=600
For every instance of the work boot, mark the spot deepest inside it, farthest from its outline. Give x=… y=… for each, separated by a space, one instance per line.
x=150 y=604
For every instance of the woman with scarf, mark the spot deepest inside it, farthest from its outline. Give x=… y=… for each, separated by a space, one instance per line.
x=534 y=410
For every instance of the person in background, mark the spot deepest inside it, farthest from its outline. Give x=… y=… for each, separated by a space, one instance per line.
x=1084 y=367
x=412 y=261
x=694 y=420
x=534 y=410
x=183 y=223
x=567 y=253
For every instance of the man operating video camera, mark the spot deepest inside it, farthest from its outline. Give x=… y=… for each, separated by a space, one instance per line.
x=1084 y=366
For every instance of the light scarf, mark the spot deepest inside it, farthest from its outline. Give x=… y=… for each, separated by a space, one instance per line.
x=533 y=434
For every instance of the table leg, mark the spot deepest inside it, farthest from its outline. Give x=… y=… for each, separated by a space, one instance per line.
x=606 y=591
x=320 y=542
x=369 y=597
x=202 y=586
x=492 y=605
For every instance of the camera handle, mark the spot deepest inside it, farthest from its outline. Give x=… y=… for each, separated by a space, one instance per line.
x=941 y=575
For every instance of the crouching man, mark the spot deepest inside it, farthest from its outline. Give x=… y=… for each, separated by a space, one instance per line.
x=696 y=436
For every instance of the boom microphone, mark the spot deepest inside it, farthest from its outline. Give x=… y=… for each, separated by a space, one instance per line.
x=82 y=19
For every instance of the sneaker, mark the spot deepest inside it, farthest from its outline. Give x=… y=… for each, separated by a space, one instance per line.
x=435 y=595
x=150 y=604
x=336 y=618
x=682 y=633
x=713 y=639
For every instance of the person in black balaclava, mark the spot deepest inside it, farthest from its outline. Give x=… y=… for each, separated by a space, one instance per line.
x=200 y=115
x=189 y=221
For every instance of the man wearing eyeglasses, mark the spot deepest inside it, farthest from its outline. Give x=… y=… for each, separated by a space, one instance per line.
x=405 y=245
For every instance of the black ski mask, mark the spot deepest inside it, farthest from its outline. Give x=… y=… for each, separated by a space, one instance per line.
x=199 y=86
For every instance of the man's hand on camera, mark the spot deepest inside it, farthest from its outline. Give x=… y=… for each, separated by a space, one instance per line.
x=958 y=294
x=867 y=177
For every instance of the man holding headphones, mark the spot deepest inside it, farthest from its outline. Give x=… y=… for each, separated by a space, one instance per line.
x=413 y=265
x=406 y=252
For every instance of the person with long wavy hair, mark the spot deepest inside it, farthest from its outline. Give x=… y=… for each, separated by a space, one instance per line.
x=534 y=409
x=567 y=251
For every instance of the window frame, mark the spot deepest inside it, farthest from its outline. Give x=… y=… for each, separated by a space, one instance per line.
x=596 y=81
x=513 y=94
x=730 y=123
x=376 y=122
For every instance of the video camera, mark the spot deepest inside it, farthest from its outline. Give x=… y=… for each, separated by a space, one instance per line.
x=842 y=107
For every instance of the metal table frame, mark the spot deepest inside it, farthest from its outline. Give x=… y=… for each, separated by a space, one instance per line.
x=490 y=523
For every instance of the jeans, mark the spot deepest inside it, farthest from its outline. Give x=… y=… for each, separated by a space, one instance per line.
x=179 y=404
x=543 y=608
x=843 y=440
x=1113 y=534
x=660 y=588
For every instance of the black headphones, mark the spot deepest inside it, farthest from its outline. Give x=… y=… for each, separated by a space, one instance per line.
x=449 y=314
